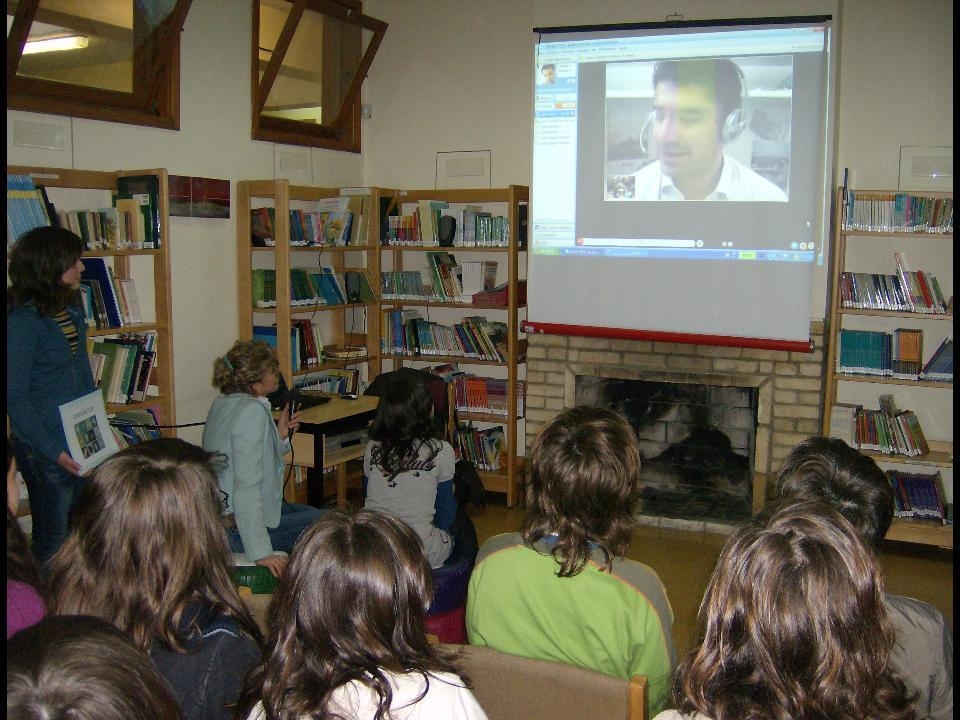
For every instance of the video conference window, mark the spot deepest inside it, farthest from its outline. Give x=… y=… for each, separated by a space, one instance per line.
x=678 y=129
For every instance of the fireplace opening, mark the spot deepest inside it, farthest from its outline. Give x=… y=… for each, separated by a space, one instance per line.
x=698 y=443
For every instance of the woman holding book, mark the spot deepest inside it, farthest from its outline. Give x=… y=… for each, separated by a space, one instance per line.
x=47 y=366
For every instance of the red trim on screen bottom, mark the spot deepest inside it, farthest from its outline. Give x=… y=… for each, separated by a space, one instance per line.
x=670 y=337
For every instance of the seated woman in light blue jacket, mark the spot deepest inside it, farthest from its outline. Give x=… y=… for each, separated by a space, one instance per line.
x=240 y=426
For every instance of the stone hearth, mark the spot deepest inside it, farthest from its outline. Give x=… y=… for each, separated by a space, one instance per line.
x=788 y=387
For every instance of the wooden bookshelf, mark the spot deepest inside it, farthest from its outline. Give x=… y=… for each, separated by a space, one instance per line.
x=345 y=324
x=871 y=251
x=511 y=268
x=150 y=269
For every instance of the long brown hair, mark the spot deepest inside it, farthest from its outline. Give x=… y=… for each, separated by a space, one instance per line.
x=584 y=486
x=146 y=542
x=793 y=626
x=38 y=261
x=351 y=604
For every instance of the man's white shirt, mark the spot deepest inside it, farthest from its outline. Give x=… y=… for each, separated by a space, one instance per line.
x=737 y=182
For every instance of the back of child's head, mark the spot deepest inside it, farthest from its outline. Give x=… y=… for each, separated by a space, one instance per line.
x=243 y=365
x=584 y=485
x=73 y=667
x=403 y=421
x=351 y=604
x=829 y=470
x=146 y=539
x=793 y=624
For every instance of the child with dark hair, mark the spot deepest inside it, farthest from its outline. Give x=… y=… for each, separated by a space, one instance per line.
x=147 y=552
x=83 y=668
x=47 y=366
x=792 y=625
x=830 y=471
x=409 y=471
x=346 y=634
x=561 y=589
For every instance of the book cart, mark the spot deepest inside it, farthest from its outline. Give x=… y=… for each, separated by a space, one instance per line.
x=871 y=246
x=438 y=312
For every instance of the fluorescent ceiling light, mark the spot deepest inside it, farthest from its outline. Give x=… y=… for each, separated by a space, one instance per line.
x=69 y=42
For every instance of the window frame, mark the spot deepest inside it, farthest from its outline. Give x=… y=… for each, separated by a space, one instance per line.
x=154 y=102
x=344 y=134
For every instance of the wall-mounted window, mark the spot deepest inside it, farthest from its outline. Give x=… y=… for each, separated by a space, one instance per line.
x=309 y=60
x=113 y=60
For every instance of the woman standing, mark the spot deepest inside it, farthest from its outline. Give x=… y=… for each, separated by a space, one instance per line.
x=47 y=366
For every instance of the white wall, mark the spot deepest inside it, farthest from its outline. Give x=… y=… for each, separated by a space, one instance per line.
x=457 y=75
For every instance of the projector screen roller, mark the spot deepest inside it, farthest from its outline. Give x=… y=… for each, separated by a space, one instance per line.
x=680 y=180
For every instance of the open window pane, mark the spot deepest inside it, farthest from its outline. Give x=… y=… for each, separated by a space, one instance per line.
x=115 y=60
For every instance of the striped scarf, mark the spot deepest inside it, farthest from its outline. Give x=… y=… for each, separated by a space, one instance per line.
x=65 y=322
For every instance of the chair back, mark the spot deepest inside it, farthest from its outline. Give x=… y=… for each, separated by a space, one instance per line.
x=510 y=687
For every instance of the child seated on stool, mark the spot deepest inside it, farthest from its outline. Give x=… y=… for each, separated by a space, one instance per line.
x=410 y=472
x=346 y=631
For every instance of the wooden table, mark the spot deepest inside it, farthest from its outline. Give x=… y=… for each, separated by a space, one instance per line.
x=332 y=418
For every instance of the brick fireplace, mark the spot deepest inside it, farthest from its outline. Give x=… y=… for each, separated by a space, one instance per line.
x=787 y=387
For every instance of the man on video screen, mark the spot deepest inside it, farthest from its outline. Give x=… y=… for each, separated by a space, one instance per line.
x=697 y=110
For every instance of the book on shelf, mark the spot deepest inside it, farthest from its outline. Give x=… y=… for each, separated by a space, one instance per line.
x=486 y=448
x=446 y=276
x=335 y=380
x=264 y=287
x=907 y=358
x=477 y=276
x=136 y=425
x=918 y=496
x=485 y=394
x=262 y=225
x=499 y=295
x=26 y=209
x=897 y=212
x=145 y=189
x=428 y=214
x=268 y=334
x=131 y=217
x=940 y=365
x=843 y=423
x=97 y=270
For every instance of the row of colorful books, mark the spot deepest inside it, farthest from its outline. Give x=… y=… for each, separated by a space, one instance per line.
x=885 y=430
x=918 y=496
x=474 y=227
x=898 y=354
x=897 y=212
x=108 y=301
x=474 y=393
x=443 y=280
x=131 y=222
x=309 y=286
x=405 y=332
x=485 y=448
x=329 y=222
x=919 y=292
x=27 y=206
x=335 y=380
x=123 y=366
